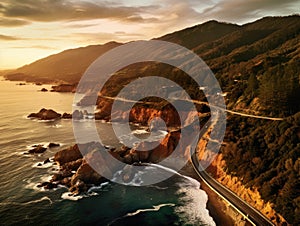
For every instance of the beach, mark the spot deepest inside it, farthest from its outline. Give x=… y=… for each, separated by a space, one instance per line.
x=216 y=206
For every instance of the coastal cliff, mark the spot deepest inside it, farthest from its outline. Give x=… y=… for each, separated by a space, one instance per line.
x=76 y=173
x=78 y=176
x=250 y=194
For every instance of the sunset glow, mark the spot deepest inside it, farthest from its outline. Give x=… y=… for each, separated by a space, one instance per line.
x=31 y=29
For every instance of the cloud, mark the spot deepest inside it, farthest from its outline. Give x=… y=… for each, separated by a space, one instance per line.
x=8 y=38
x=67 y=10
x=235 y=11
x=35 y=47
x=4 y=22
x=101 y=37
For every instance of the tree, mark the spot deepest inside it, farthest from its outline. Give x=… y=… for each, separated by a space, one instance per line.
x=253 y=85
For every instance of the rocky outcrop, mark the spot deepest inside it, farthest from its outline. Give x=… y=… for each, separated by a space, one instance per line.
x=77 y=115
x=40 y=148
x=37 y=150
x=76 y=172
x=66 y=116
x=68 y=155
x=83 y=177
x=45 y=114
x=146 y=115
x=53 y=145
x=49 y=114
x=64 y=88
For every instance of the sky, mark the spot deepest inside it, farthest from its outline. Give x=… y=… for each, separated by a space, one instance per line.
x=33 y=29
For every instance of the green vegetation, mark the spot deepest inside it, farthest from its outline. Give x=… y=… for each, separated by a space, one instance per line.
x=267 y=155
x=280 y=89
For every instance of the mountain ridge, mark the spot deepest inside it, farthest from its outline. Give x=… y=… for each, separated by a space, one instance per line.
x=209 y=40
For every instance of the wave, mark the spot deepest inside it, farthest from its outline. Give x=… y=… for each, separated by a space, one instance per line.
x=155 y=208
x=97 y=188
x=140 y=131
x=72 y=197
x=55 y=126
x=132 y=138
x=93 y=191
x=38 y=120
x=136 y=180
x=32 y=183
x=42 y=165
x=193 y=208
x=192 y=200
x=44 y=198
x=43 y=144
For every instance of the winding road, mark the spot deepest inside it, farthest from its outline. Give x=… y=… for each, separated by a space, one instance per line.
x=248 y=212
x=201 y=103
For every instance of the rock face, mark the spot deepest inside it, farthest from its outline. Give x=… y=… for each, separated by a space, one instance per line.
x=45 y=114
x=68 y=155
x=75 y=172
x=84 y=176
x=250 y=195
x=138 y=114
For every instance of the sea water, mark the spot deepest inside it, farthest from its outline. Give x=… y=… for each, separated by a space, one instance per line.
x=176 y=201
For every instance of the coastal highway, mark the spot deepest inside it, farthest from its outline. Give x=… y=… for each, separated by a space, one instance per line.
x=248 y=212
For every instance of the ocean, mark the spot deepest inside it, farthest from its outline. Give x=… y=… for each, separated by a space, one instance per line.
x=176 y=201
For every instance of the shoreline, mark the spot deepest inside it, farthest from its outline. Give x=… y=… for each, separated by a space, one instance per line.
x=215 y=205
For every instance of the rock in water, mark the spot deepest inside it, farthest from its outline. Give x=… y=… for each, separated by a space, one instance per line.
x=47 y=185
x=66 y=116
x=47 y=161
x=77 y=115
x=37 y=150
x=64 y=88
x=45 y=114
x=53 y=145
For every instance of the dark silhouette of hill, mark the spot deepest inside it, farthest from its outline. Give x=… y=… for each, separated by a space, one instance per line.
x=199 y=34
x=67 y=66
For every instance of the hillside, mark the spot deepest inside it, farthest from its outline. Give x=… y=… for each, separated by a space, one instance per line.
x=67 y=66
